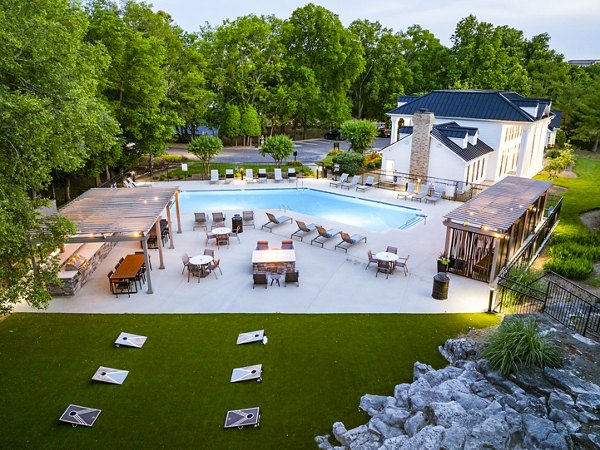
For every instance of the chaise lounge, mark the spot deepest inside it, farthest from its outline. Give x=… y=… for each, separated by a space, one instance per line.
x=339 y=182
x=348 y=241
x=369 y=183
x=303 y=230
x=273 y=221
x=352 y=183
x=324 y=235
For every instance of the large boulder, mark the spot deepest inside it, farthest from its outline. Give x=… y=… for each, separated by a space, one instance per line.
x=428 y=438
x=394 y=443
x=589 y=402
x=446 y=414
x=540 y=432
x=401 y=394
x=394 y=417
x=492 y=433
x=375 y=404
x=415 y=423
x=569 y=382
x=471 y=401
x=453 y=438
x=420 y=369
x=571 y=425
x=458 y=349
x=339 y=429
x=377 y=426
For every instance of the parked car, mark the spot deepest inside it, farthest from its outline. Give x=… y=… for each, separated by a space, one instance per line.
x=384 y=133
x=335 y=135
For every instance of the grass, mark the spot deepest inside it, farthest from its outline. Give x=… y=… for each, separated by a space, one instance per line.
x=316 y=367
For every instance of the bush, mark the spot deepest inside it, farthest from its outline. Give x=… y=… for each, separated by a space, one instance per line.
x=360 y=133
x=517 y=343
x=552 y=154
x=350 y=162
x=572 y=268
x=561 y=138
x=333 y=153
x=373 y=161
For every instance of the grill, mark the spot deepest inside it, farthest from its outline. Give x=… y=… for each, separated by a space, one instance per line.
x=75 y=262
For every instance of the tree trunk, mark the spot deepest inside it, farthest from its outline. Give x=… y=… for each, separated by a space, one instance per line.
x=98 y=181
x=151 y=164
x=107 y=172
x=68 y=188
x=595 y=149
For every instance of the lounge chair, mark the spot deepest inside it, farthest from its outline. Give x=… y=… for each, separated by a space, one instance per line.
x=278 y=175
x=401 y=263
x=250 y=176
x=229 y=177
x=324 y=235
x=372 y=259
x=248 y=218
x=259 y=278
x=262 y=175
x=218 y=217
x=303 y=230
x=199 y=220
x=214 y=176
x=421 y=195
x=287 y=244
x=342 y=179
x=292 y=277
x=273 y=221
x=262 y=245
x=369 y=183
x=292 y=174
x=348 y=241
x=410 y=190
x=434 y=198
x=352 y=183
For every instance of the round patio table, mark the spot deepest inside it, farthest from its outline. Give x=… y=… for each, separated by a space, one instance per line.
x=221 y=231
x=201 y=260
x=387 y=257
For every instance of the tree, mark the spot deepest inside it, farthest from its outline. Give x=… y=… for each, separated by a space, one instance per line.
x=205 y=148
x=360 y=133
x=587 y=128
x=51 y=121
x=250 y=124
x=230 y=121
x=556 y=165
x=350 y=162
x=278 y=147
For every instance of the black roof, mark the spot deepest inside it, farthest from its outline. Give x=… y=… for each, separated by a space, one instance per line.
x=407 y=98
x=555 y=122
x=475 y=104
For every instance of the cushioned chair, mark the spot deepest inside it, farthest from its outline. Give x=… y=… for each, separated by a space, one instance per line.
x=292 y=277
x=343 y=179
x=348 y=241
x=287 y=244
x=274 y=221
x=214 y=176
x=262 y=245
x=200 y=220
x=218 y=217
x=303 y=229
x=260 y=278
x=248 y=218
x=372 y=259
x=292 y=174
x=369 y=183
x=353 y=182
x=324 y=235
x=262 y=175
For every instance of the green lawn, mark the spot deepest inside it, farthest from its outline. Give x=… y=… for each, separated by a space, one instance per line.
x=178 y=390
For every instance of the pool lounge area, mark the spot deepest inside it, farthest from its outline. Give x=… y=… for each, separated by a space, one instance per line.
x=330 y=281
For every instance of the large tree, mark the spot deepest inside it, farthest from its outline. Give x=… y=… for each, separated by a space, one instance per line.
x=51 y=121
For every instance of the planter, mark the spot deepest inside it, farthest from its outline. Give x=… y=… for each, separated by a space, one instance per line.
x=441 y=267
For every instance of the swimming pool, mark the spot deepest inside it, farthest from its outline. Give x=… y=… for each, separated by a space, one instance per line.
x=369 y=214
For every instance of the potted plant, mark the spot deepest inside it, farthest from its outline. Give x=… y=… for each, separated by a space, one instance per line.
x=442 y=263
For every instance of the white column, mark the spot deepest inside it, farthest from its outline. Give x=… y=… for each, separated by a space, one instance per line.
x=524 y=153
x=394 y=133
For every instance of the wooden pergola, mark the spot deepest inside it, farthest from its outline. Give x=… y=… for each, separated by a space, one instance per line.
x=484 y=233
x=115 y=215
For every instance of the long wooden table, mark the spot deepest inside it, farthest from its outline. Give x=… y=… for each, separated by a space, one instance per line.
x=129 y=269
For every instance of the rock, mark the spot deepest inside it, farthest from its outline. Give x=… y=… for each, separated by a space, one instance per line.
x=339 y=429
x=589 y=402
x=452 y=387
x=377 y=426
x=492 y=433
x=493 y=408
x=458 y=349
x=374 y=404
x=560 y=416
x=536 y=430
x=436 y=377
x=512 y=419
x=418 y=386
x=561 y=400
x=429 y=438
x=471 y=401
x=445 y=414
x=415 y=423
x=454 y=437
x=395 y=442
x=359 y=437
x=484 y=389
x=492 y=375
x=323 y=442
x=420 y=369
x=394 y=417
x=401 y=394
x=421 y=399
x=583 y=440
x=569 y=382
x=532 y=380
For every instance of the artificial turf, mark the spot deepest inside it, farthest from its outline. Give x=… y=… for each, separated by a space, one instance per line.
x=316 y=368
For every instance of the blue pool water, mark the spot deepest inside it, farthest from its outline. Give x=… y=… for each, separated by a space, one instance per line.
x=372 y=215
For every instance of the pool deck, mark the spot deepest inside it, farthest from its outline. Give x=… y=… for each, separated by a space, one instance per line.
x=330 y=281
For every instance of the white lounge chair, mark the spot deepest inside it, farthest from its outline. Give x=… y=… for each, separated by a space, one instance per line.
x=410 y=190
x=214 y=176
x=352 y=183
x=229 y=177
x=342 y=179
x=250 y=176
x=292 y=174
x=274 y=221
x=278 y=175
x=369 y=183
x=434 y=197
x=262 y=175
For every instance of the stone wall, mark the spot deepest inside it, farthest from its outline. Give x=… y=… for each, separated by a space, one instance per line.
x=421 y=137
x=469 y=405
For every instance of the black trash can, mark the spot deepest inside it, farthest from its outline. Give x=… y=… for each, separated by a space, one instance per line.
x=440 y=286
x=237 y=222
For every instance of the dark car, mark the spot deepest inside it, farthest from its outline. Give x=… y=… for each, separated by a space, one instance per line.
x=335 y=135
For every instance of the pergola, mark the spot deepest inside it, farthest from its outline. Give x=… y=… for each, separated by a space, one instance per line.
x=115 y=215
x=484 y=233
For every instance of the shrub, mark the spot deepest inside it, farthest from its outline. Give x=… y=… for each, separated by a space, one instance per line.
x=551 y=154
x=517 y=343
x=333 y=153
x=561 y=138
x=350 y=162
x=360 y=133
x=572 y=268
x=174 y=158
x=373 y=161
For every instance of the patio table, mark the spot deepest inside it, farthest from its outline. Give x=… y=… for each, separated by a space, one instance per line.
x=388 y=257
x=202 y=261
x=129 y=269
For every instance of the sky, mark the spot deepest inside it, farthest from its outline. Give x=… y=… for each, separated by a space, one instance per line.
x=572 y=24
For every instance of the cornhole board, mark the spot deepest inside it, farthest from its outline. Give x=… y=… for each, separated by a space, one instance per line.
x=247 y=373
x=80 y=415
x=130 y=340
x=240 y=418
x=250 y=336
x=109 y=375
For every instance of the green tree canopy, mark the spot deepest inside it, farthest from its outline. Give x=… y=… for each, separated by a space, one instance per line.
x=230 y=121
x=250 y=124
x=205 y=148
x=360 y=133
x=278 y=147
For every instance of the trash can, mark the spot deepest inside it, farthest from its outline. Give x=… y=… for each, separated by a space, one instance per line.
x=440 y=286
x=237 y=222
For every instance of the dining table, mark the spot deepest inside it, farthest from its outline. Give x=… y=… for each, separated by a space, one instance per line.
x=388 y=257
x=202 y=261
x=222 y=234
x=129 y=269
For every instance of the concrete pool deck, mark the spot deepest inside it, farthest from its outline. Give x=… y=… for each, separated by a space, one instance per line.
x=330 y=281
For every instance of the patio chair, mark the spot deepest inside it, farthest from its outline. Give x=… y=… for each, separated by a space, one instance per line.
x=149 y=259
x=324 y=235
x=384 y=267
x=235 y=234
x=229 y=176
x=353 y=182
x=410 y=190
x=185 y=259
x=348 y=241
x=292 y=277
x=217 y=225
x=278 y=175
x=248 y=218
x=260 y=278
x=210 y=236
x=209 y=252
x=391 y=249
x=273 y=221
x=421 y=195
x=342 y=179
x=214 y=176
x=218 y=217
x=369 y=183
x=110 y=282
x=401 y=263
x=200 y=220
x=303 y=229
x=372 y=259
x=194 y=270
x=292 y=174
x=250 y=176
x=287 y=244
x=262 y=175
x=222 y=239
x=434 y=198
x=262 y=245
x=213 y=266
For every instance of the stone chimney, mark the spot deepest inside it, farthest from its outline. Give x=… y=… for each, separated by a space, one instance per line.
x=422 y=122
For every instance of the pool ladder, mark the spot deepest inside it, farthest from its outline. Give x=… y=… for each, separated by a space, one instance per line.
x=283 y=207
